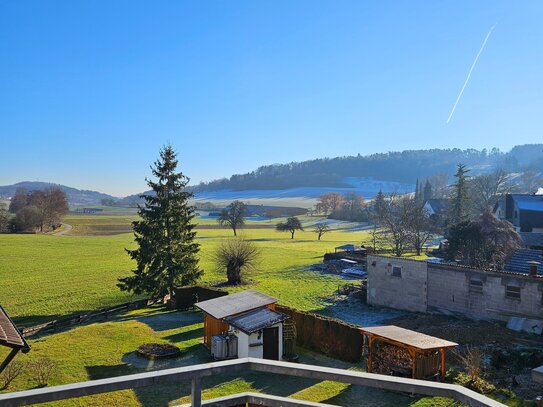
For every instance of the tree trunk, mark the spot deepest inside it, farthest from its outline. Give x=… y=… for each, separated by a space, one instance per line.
x=319 y=236
x=292 y=235
x=234 y=229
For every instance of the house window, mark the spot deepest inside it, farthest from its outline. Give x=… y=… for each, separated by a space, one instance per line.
x=512 y=291
x=476 y=286
x=396 y=271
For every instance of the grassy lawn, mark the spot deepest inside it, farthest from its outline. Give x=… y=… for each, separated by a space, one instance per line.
x=105 y=349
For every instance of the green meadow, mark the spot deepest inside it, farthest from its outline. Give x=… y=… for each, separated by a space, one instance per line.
x=46 y=276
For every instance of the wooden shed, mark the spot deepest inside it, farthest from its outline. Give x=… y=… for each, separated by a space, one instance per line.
x=399 y=351
x=235 y=311
x=11 y=338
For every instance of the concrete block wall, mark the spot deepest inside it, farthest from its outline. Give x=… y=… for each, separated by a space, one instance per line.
x=440 y=288
x=449 y=292
x=407 y=292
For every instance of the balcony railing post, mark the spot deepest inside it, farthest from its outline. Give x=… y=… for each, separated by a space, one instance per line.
x=196 y=392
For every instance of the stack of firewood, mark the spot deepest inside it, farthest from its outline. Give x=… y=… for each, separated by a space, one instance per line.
x=391 y=360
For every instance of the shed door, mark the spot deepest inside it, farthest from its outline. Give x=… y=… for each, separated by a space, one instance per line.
x=271 y=343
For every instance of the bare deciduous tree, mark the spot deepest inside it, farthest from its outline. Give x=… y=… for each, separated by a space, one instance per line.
x=486 y=189
x=237 y=256
x=419 y=224
x=330 y=202
x=320 y=229
x=394 y=218
x=233 y=216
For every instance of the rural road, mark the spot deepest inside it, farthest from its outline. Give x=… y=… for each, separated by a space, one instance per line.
x=67 y=229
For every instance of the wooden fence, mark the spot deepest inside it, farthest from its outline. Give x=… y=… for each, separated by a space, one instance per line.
x=78 y=319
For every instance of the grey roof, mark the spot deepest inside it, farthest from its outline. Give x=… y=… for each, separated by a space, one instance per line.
x=349 y=247
x=438 y=205
x=408 y=337
x=234 y=304
x=518 y=263
x=531 y=239
x=256 y=320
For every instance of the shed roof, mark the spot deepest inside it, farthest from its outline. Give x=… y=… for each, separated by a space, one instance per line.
x=519 y=262
x=234 y=304
x=408 y=337
x=256 y=320
x=9 y=334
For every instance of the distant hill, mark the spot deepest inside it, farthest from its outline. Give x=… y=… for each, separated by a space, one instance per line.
x=365 y=175
x=76 y=197
x=404 y=167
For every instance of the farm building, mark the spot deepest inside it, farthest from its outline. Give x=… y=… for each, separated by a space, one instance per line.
x=11 y=338
x=243 y=324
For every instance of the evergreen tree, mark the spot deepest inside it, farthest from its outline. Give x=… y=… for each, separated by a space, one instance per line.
x=166 y=253
x=379 y=206
x=460 y=202
x=418 y=195
x=427 y=191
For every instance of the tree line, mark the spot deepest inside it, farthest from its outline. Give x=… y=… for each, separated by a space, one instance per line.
x=404 y=166
x=35 y=211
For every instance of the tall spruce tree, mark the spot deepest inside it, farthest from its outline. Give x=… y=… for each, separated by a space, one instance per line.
x=460 y=205
x=427 y=191
x=166 y=253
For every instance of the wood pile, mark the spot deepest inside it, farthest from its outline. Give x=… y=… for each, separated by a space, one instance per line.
x=391 y=360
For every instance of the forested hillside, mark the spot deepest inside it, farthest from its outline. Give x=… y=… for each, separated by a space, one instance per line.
x=405 y=166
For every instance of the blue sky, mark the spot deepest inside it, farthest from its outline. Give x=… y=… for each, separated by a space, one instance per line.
x=90 y=90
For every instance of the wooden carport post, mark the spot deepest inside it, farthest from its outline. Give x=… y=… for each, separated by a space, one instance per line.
x=442 y=350
x=370 y=351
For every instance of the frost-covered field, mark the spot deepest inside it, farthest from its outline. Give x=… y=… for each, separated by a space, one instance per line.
x=305 y=197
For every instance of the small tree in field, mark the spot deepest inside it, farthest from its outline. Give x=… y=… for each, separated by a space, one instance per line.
x=320 y=229
x=237 y=256
x=291 y=225
x=166 y=253
x=233 y=216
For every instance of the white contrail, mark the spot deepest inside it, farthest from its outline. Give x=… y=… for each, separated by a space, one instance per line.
x=470 y=71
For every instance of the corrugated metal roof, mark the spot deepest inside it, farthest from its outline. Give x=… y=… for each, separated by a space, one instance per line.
x=256 y=320
x=408 y=337
x=518 y=263
x=234 y=304
x=9 y=334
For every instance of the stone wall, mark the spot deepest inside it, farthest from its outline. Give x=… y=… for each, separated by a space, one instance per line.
x=404 y=290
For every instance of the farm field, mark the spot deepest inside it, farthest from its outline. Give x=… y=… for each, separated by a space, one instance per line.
x=47 y=276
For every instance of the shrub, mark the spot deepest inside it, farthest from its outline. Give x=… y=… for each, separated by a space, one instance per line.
x=41 y=371
x=10 y=373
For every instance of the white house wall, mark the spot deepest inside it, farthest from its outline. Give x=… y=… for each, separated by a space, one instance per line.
x=244 y=342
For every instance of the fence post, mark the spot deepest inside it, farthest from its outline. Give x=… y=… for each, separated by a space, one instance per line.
x=196 y=392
